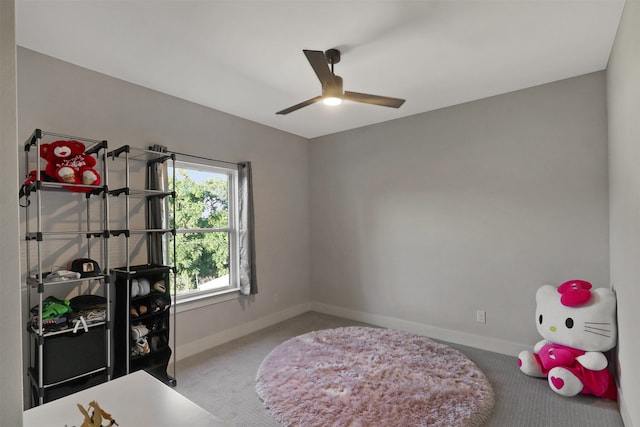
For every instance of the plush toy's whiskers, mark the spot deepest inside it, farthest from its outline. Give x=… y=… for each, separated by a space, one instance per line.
x=598 y=330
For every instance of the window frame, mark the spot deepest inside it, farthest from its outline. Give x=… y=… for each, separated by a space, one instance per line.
x=231 y=171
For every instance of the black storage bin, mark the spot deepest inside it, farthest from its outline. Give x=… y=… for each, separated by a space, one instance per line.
x=71 y=354
x=67 y=388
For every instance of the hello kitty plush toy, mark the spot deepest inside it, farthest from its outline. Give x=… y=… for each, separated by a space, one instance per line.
x=577 y=324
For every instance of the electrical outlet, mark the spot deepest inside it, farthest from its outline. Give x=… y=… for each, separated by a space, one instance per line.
x=481 y=316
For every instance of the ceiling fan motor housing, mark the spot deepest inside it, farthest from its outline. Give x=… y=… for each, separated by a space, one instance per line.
x=333 y=89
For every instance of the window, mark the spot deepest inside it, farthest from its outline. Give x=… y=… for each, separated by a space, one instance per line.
x=206 y=212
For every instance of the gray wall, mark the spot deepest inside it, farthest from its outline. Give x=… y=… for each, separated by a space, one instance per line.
x=59 y=97
x=623 y=90
x=421 y=221
x=10 y=317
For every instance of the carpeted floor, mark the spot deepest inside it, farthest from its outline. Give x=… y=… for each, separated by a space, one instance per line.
x=222 y=380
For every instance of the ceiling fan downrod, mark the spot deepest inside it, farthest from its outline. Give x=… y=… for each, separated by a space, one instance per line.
x=333 y=57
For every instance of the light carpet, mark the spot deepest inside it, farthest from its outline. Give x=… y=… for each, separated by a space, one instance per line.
x=361 y=376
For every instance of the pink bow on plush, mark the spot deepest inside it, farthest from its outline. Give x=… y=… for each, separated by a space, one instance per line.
x=575 y=293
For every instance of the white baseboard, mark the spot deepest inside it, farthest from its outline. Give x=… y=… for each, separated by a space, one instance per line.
x=194 y=347
x=457 y=337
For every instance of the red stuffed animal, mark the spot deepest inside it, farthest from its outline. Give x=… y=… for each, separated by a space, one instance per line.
x=67 y=162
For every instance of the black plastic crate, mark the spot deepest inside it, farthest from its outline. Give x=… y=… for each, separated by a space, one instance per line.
x=70 y=387
x=71 y=354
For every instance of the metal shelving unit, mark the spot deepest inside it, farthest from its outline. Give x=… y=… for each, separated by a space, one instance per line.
x=66 y=360
x=156 y=321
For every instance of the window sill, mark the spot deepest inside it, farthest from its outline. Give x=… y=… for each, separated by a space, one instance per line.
x=203 y=300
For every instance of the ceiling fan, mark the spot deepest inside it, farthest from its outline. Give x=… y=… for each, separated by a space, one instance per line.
x=332 y=92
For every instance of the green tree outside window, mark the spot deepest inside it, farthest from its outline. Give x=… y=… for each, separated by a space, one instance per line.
x=202 y=205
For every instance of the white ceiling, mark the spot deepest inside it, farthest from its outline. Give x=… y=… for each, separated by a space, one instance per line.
x=245 y=57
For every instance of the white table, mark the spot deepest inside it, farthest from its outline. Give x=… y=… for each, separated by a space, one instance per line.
x=134 y=400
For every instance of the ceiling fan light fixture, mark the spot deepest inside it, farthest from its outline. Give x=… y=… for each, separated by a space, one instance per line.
x=332 y=100
x=332 y=92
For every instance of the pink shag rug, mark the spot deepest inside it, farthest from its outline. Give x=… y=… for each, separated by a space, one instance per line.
x=362 y=377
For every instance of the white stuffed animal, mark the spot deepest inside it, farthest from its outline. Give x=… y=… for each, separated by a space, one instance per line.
x=578 y=324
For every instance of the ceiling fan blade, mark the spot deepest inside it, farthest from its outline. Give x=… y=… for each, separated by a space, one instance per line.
x=385 y=101
x=298 y=106
x=319 y=64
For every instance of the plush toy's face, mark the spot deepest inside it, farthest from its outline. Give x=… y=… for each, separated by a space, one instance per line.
x=588 y=326
x=60 y=150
